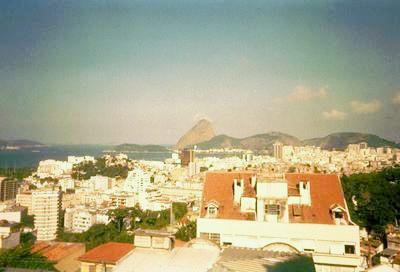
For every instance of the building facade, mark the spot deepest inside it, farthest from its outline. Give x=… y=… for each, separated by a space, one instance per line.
x=46 y=204
x=8 y=189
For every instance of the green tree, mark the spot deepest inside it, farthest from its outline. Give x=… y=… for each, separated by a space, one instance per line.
x=22 y=257
x=187 y=232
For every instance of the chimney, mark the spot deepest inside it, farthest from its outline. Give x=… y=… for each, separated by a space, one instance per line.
x=238 y=188
x=253 y=181
x=305 y=193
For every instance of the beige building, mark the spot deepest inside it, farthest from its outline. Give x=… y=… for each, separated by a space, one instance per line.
x=25 y=200
x=105 y=257
x=46 y=204
x=64 y=255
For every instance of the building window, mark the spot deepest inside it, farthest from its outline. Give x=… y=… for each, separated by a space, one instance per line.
x=215 y=237
x=338 y=215
x=212 y=211
x=273 y=209
x=349 y=249
x=92 y=268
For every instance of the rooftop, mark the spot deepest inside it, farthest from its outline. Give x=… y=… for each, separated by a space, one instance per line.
x=218 y=186
x=179 y=259
x=56 y=251
x=109 y=253
x=326 y=191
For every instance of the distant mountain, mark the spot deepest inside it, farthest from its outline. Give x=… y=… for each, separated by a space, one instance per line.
x=140 y=148
x=342 y=139
x=256 y=142
x=201 y=132
x=20 y=144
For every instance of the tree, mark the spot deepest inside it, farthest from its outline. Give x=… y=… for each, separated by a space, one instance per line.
x=187 y=232
x=22 y=257
x=377 y=198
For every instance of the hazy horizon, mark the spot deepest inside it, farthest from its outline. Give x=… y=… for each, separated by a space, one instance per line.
x=99 y=72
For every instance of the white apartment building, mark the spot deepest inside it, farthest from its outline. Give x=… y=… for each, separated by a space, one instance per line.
x=46 y=205
x=302 y=213
x=137 y=181
x=100 y=183
x=66 y=184
x=79 y=219
x=193 y=168
x=53 y=168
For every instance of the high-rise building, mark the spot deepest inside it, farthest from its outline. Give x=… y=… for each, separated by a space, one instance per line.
x=46 y=204
x=137 y=181
x=8 y=189
x=187 y=156
x=278 y=150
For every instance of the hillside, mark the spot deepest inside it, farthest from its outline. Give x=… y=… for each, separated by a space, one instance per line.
x=342 y=139
x=201 y=132
x=140 y=148
x=21 y=144
x=256 y=142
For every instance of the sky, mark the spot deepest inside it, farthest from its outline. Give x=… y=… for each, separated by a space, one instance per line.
x=108 y=72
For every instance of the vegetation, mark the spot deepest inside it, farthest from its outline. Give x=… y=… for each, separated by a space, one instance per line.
x=122 y=222
x=18 y=173
x=373 y=199
x=22 y=257
x=97 y=235
x=187 y=232
x=341 y=140
x=27 y=220
x=89 y=169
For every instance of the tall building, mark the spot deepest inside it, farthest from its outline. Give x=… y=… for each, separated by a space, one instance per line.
x=8 y=189
x=187 y=156
x=46 y=204
x=278 y=150
x=137 y=181
x=298 y=213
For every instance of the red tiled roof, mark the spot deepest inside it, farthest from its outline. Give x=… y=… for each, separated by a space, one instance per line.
x=109 y=253
x=218 y=186
x=326 y=191
x=56 y=251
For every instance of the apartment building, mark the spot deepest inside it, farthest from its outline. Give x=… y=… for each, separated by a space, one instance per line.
x=78 y=219
x=8 y=189
x=299 y=213
x=46 y=204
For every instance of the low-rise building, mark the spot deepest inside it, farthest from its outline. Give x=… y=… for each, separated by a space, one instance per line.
x=105 y=257
x=9 y=234
x=65 y=255
x=300 y=213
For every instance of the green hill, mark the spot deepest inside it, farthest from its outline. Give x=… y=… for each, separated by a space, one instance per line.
x=256 y=142
x=341 y=140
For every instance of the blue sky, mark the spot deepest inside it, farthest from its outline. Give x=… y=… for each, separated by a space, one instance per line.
x=145 y=71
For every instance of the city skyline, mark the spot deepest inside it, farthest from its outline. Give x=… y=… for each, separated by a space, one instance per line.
x=99 y=72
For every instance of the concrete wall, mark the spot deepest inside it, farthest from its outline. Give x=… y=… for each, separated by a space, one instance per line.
x=326 y=240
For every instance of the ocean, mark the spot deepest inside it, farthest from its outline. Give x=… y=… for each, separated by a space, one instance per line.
x=31 y=158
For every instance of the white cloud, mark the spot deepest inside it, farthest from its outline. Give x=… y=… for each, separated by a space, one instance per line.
x=396 y=99
x=361 y=107
x=302 y=93
x=334 y=115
